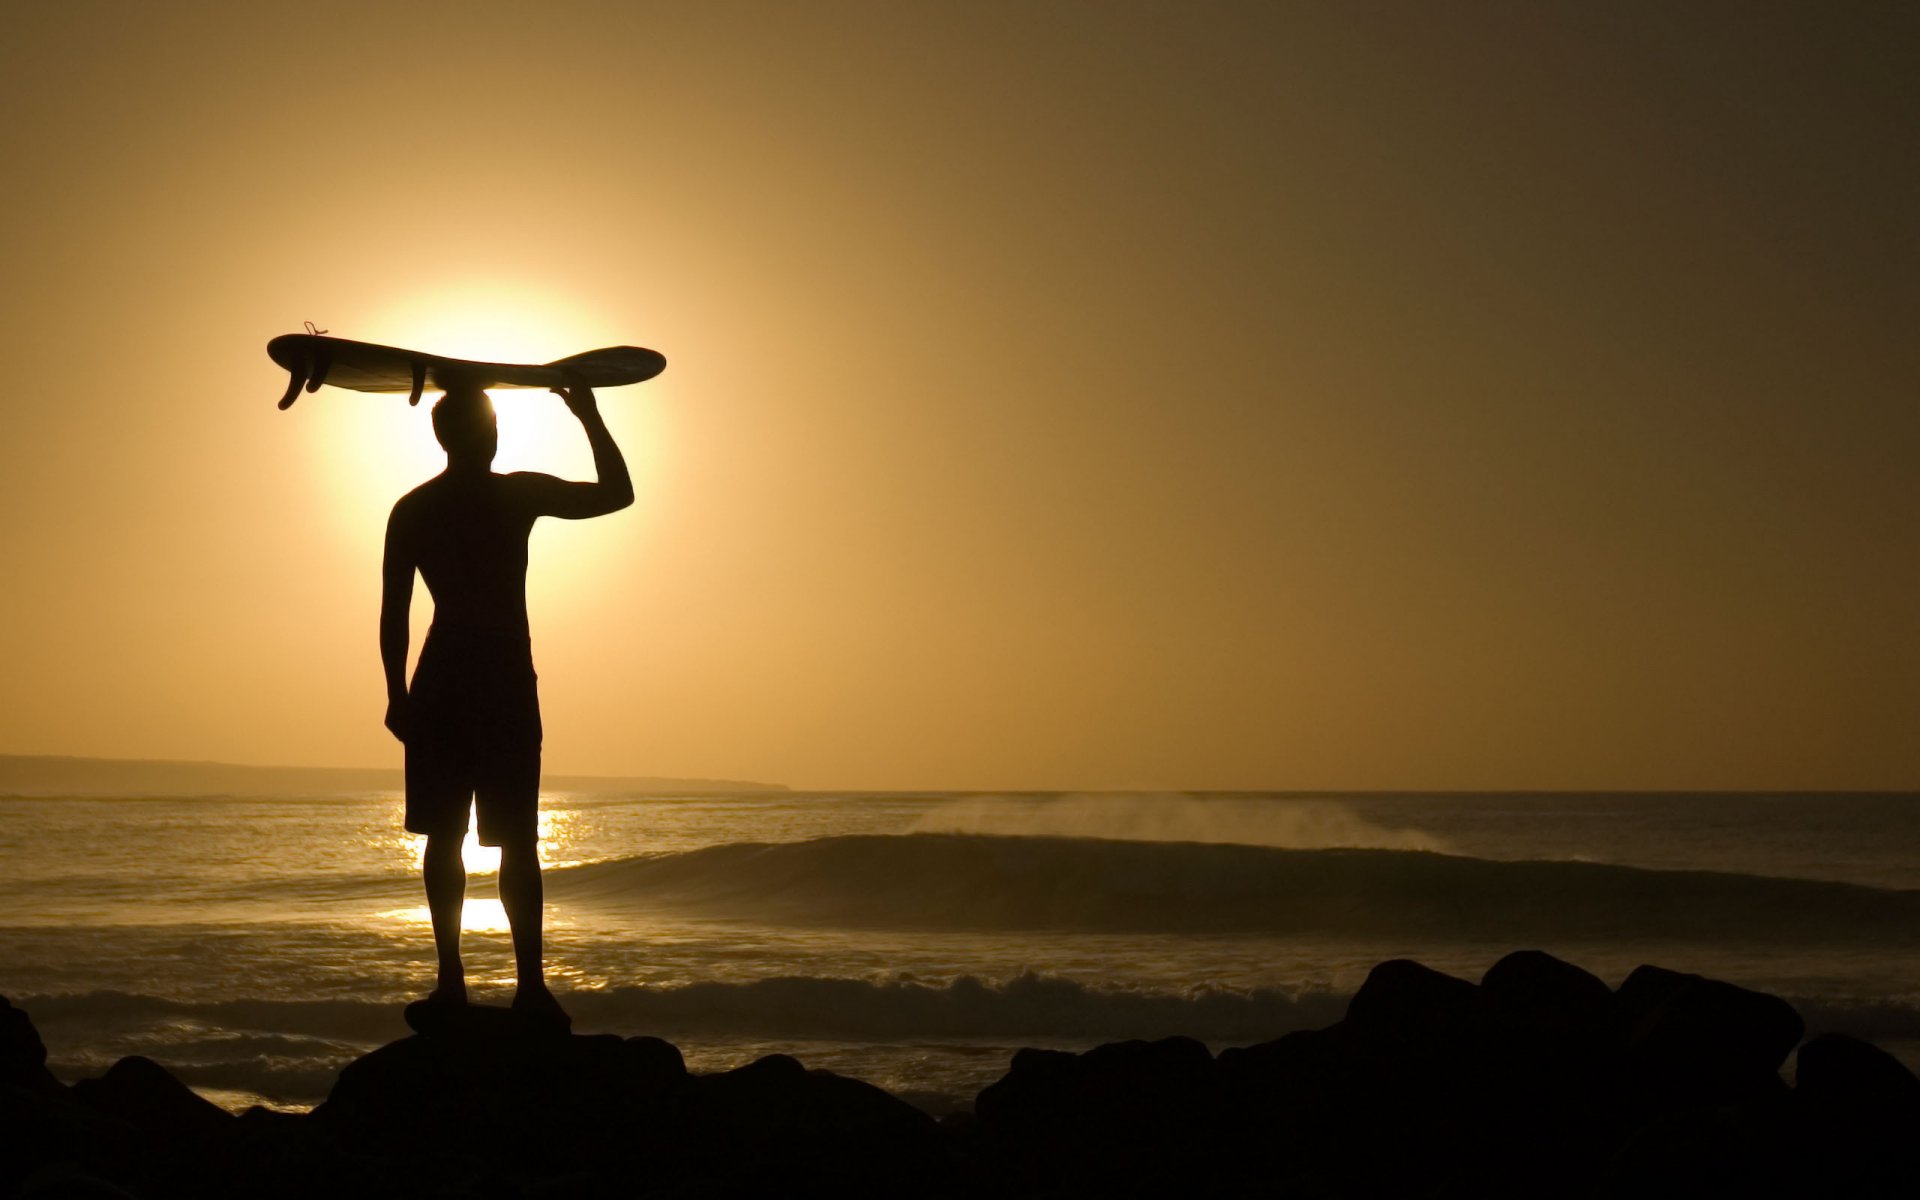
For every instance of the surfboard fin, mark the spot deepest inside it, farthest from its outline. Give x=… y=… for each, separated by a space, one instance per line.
x=419 y=382
x=295 y=381
x=318 y=363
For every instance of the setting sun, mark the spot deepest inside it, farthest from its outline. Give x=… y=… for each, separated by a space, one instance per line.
x=369 y=448
x=376 y=440
x=512 y=324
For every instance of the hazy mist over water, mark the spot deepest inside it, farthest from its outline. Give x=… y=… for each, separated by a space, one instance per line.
x=1299 y=824
x=255 y=943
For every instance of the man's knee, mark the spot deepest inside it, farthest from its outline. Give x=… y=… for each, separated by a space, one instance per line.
x=520 y=850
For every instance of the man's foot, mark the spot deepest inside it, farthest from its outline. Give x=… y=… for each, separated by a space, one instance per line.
x=535 y=1002
x=438 y=1012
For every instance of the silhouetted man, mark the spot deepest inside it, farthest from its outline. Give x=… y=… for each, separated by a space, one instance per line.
x=471 y=721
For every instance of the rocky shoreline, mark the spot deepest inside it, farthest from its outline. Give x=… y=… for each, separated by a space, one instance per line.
x=1537 y=1081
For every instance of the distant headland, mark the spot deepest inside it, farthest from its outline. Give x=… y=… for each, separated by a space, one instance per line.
x=55 y=775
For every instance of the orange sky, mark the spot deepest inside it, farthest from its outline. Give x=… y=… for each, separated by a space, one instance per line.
x=1061 y=395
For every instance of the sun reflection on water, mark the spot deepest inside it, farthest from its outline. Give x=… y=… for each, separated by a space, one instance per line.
x=480 y=914
x=556 y=844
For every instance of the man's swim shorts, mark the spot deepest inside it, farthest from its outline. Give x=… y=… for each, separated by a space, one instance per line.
x=473 y=733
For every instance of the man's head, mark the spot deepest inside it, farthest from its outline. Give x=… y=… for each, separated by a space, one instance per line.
x=463 y=421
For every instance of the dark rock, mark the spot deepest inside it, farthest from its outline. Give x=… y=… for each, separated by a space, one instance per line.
x=142 y=1093
x=1554 y=1040
x=187 y=1146
x=1403 y=1000
x=779 y=1128
x=1305 y=1062
x=1313 y=1084
x=1030 y=1062
x=23 y=1056
x=288 y=1155
x=502 y=1097
x=1536 y=1082
x=768 y=1067
x=1432 y=1083
x=1127 y=1118
x=1421 y=1083
x=440 y=1018
x=1844 y=1075
x=1695 y=1041
x=1549 y=992
x=502 y=1101
x=1861 y=1117
x=1378 y=1104
x=1419 y=1038
x=655 y=1058
x=1708 y=1151
x=49 y=1137
x=66 y=1182
x=1165 y=1050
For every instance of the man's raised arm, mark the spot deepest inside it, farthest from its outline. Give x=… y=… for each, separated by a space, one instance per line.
x=614 y=487
x=396 y=608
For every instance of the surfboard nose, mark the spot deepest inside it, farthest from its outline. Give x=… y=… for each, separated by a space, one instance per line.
x=291 y=351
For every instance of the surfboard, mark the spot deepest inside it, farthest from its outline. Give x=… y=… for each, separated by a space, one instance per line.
x=312 y=360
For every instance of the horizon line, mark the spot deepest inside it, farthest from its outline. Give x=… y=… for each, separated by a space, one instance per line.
x=750 y=784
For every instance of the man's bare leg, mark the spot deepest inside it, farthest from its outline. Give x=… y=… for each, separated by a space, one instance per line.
x=446 y=878
x=523 y=897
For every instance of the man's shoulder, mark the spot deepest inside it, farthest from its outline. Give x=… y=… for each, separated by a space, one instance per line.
x=419 y=498
x=529 y=485
x=529 y=479
x=414 y=498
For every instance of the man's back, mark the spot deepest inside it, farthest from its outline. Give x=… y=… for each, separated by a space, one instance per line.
x=467 y=536
x=465 y=532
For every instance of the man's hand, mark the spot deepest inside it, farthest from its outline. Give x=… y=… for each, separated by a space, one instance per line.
x=397 y=717
x=612 y=488
x=579 y=398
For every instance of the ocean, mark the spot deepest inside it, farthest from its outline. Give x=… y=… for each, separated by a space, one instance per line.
x=254 y=943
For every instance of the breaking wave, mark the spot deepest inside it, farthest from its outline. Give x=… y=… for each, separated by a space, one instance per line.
x=978 y=882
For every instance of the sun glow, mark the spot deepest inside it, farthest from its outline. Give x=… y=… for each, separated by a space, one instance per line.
x=537 y=433
x=372 y=448
x=375 y=441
